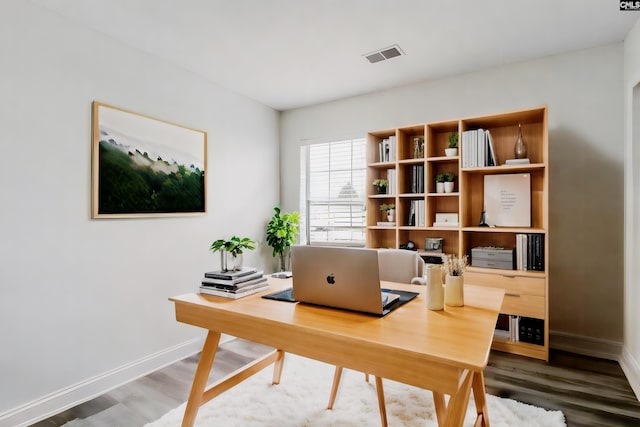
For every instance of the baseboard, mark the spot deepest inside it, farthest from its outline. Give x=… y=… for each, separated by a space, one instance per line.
x=631 y=369
x=75 y=394
x=588 y=346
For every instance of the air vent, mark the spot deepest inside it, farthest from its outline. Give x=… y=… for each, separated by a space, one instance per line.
x=383 y=54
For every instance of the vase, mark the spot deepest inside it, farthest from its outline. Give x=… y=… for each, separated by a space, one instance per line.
x=230 y=262
x=382 y=190
x=439 y=187
x=435 y=291
x=448 y=187
x=391 y=215
x=454 y=291
x=283 y=259
x=451 y=152
x=520 y=148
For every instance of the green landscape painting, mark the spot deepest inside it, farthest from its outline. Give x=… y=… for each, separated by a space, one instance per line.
x=146 y=167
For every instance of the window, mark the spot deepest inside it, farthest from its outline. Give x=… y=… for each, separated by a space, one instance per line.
x=333 y=193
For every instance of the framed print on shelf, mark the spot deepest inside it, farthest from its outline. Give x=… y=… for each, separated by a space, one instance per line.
x=145 y=167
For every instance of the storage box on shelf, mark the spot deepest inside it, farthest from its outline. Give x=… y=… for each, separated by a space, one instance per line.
x=526 y=290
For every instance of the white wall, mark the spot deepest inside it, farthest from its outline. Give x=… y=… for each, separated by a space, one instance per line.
x=630 y=361
x=82 y=297
x=583 y=91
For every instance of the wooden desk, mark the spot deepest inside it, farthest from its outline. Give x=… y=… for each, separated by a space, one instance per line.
x=443 y=351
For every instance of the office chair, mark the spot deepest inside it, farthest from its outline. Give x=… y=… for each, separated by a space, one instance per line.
x=395 y=265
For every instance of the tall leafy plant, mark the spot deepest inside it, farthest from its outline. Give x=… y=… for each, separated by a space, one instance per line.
x=281 y=233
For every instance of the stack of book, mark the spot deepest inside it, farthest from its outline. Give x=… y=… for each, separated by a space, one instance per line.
x=233 y=284
x=478 y=149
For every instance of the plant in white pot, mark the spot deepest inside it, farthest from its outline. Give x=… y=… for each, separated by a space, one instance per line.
x=281 y=234
x=449 y=179
x=389 y=210
x=231 y=251
x=440 y=178
x=452 y=148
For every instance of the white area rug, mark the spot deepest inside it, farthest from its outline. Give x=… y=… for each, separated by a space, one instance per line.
x=302 y=395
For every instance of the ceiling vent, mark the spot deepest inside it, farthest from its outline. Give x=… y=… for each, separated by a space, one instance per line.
x=383 y=54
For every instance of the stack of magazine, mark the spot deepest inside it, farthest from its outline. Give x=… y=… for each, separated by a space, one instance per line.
x=233 y=284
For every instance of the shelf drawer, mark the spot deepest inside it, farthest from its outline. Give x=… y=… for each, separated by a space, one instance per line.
x=522 y=285
x=523 y=305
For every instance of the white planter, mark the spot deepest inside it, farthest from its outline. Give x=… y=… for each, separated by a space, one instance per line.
x=439 y=187
x=451 y=152
x=391 y=214
x=454 y=291
x=448 y=187
x=435 y=291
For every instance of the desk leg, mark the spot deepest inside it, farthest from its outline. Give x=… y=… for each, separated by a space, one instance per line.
x=277 y=367
x=337 y=376
x=200 y=378
x=480 y=398
x=441 y=407
x=457 y=407
x=381 y=405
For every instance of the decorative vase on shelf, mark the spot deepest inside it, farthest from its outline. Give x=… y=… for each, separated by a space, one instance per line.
x=520 y=148
x=454 y=291
x=391 y=214
x=450 y=152
x=435 y=291
x=439 y=187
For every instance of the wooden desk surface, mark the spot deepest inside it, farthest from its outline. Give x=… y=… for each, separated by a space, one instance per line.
x=394 y=346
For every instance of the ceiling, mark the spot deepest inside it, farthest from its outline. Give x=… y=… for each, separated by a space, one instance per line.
x=293 y=53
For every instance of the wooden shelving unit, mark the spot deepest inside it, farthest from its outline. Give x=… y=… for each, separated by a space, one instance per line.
x=526 y=291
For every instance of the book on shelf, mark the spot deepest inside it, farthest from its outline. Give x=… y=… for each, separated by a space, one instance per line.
x=230 y=274
x=417 y=213
x=530 y=251
x=387 y=149
x=234 y=281
x=386 y=224
x=517 y=162
x=417 y=179
x=235 y=294
x=227 y=284
x=478 y=149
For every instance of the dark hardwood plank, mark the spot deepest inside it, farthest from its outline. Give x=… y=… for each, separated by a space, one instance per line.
x=589 y=391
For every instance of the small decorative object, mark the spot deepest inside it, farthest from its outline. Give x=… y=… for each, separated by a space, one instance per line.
x=520 y=148
x=390 y=210
x=483 y=219
x=454 y=267
x=452 y=149
x=281 y=234
x=449 y=177
x=435 y=291
x=440 y=178
x=433 y=244
x=418 y=147
x=381 y=185
x=231 y=251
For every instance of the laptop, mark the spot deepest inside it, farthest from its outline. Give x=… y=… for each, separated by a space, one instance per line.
x=346 y=278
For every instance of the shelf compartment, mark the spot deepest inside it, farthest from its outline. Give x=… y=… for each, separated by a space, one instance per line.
x=418 y=236
x=405 y=137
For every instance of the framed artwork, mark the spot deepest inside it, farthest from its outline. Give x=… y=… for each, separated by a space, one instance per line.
x=144 y=167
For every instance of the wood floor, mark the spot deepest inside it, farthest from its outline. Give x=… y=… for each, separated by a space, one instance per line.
x=591 y=392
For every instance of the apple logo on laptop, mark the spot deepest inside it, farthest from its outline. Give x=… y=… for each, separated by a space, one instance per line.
x=331 y=279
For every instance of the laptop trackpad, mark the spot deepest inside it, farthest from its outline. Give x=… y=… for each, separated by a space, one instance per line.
x=388 y=299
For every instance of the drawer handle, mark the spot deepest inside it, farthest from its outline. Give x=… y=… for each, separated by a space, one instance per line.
x=511 y=294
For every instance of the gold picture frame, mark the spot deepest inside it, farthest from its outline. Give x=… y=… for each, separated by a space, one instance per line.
x=145 y=167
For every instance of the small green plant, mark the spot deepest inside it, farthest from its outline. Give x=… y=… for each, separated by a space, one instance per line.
x=387 y=207
x=449 y=177
x=453 y=140
x=440 y=177
x=380 y=183
x=235 y=245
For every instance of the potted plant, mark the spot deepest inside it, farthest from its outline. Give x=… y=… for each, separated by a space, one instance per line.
x=449 y=177
x=454 y=267
x=281 y=234
x=440 y=178
x=389 y=210
x=452 y=149
x=381 y=185
x=231 y=251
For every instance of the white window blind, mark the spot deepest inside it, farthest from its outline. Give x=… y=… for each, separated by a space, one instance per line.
x=333 y=196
